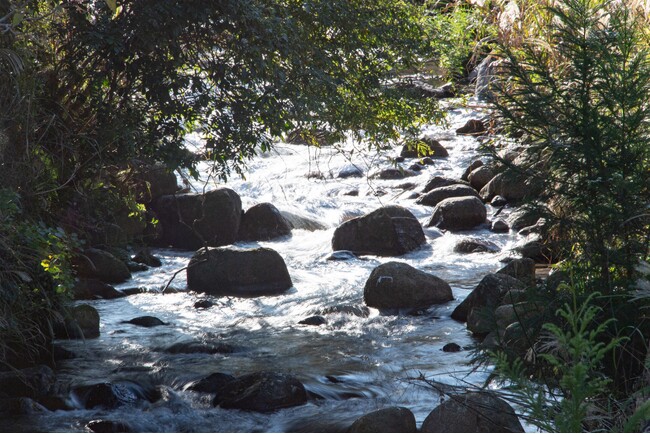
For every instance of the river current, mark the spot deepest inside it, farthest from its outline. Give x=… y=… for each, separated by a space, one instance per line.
x=356 y=364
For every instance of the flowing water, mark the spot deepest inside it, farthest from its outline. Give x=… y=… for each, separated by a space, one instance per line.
x=356 y=364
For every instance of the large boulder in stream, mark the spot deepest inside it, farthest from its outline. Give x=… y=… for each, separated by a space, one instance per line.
x=473 y=412
x=441 y=181
x=512 y=186
x=458 y=213
x=425 y=147
x=392 y=419
x=238 y=272
x=263 y=222
x=437 y=195
x=389 y=231
x=396 y=285
x=190 y=221
x=103 y=265
x=262 y=391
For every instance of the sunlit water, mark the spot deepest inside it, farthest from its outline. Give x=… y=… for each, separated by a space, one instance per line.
x=356 y=364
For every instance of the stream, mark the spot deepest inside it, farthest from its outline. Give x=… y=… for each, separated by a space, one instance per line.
x=355 y=363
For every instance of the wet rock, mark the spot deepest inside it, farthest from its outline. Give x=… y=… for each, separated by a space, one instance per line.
x=198 y=348
x=473 y=412
x=522 y=269
x=31 y=383
x=351 y=193
x=134 y=291
x=113 y=395
x=263 y=222
x=473 y=127
x=213 y=383
x=262 y=392
x=134 y=267
x=341 y=255
x=190 y=221
x=475 y=165
x=480 y=177
x=302 y=222
x=498 y=201
x=426 y=147
x=458 y=213
x=415 y=167
x=427 y=161
x=350 y=171
x=392 y=419
x=499 y=226
x=102 y=265
x=451 y=347
x=145 y=257
x=315 y=320
x=92 y=289
x=203 y=304
x=511 y=186
x=102 y=426
x=476 y=245
x=437 y=195
x=392 y=173
x=398 y=285
x=83 y=323
x=488 y=293
x=441 y=181
x=388 y=231
x=238 y=272
x=146 y=321
x=360 y=311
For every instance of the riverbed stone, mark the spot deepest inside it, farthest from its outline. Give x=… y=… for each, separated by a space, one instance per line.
x=392 y=419
x=522 y=269
x=107 y=426
x=302 y=222
x=499 y=227
x=99 y=264
x=388 y=231
x=458 y=213
x=144 y=256
x=190 y=221
x=488 y=293
x=114 y=395
x=347 y=309
x=473 y=412
x=394 y=173
x=263 y=222
x=262 y=392
x=474 y=165
x=350 y=171
x=198 y=348
x=522 y=218
x=82 y=323
x=398 y=285
x=472 y=127
x=476 y=245
x=92 y=289
x=511 y=186
x=425 y=147
x=213 y=383
x=480 y=177
x=146 y=321
x=315 y=320
x=239 y=272
x=451 y=347
x=437 y=195
x=441 y=181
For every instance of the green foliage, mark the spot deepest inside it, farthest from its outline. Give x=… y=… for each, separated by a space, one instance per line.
x=580 y=98
x=457 y=33
x=575 y=354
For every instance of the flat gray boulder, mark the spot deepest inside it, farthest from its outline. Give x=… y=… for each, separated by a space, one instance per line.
x=238 y=272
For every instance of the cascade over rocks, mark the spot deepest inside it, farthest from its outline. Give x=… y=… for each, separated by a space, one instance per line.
x=238 y=272
x=395 y=285
x=388 y=231
x=437 y=195
x=392 y=419
x=458 y=213
x=473 y=412
x=190 y=220
x=102 y=265
x=263 y=222
x=262 y=392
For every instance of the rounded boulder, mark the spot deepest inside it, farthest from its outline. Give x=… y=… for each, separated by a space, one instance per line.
x=388 y=231
x=262 y=392
x=263 y=222
x=458 y=213
x=437 y=195
x=238 y=272
x=398 y=285
x=392 y=419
